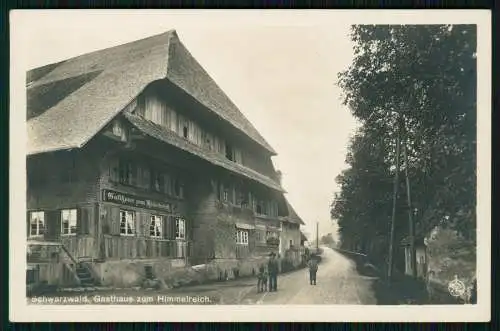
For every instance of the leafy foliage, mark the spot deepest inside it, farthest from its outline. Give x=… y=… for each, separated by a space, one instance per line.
x=327 y=239
x=424 y=75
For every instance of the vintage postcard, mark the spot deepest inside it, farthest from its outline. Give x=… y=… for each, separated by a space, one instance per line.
x=250 y=165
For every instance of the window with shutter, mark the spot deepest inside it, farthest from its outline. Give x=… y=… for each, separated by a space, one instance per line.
x=37 y=224
x=68 y=222
x=242 y=237
x=180 y=228
x=156 y=226
x=127 y=223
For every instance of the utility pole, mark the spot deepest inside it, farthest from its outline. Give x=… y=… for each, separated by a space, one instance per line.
x=317 y=235
x=411 y=225
x=394 y=202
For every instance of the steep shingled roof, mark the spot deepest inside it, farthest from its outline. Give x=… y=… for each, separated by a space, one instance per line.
x=71 y=101
x=293 y=217
x=303 y=236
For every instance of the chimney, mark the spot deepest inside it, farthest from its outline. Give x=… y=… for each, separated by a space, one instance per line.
x=278 y=176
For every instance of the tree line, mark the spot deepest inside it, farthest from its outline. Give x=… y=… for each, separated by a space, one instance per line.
x=420 y=79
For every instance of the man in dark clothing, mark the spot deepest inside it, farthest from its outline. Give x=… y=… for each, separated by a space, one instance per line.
x=262 y=279
x=272 y=269
x=312 y=264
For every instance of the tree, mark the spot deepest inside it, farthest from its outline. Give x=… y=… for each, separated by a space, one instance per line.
x=424 y=75
x=327 y=239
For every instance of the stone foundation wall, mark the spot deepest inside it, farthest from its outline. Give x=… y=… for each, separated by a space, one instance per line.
x=132 y=273
x=172 y=273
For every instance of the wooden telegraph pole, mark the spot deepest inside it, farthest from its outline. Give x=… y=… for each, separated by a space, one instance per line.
x=411 y=225
x=394 y=202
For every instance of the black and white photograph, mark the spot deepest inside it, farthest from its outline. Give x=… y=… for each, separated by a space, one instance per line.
x=287 y=165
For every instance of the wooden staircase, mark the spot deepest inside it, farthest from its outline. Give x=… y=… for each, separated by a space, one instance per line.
x=82 y=272
x=84 y=275
x=78 y=267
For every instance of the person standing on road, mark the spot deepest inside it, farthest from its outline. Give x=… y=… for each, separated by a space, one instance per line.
x=262 y=279
x=312 y=264
x=272 y=270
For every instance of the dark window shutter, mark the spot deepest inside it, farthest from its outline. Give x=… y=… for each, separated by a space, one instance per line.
x=165 y=222
x=28 y=224
x=79 y=224
x=83 y=221
x=189 y=230
x=172 y=226
x=114 y=220
x=53 y=224
x=252 y=238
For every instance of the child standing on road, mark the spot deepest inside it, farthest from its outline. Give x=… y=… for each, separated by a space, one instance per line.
x=312 y=264
x=262 y=279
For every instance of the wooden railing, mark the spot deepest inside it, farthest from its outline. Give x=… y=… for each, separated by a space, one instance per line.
x=34 y=256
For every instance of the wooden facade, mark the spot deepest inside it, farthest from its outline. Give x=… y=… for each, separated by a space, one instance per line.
x=172 y=176
x=120 y=180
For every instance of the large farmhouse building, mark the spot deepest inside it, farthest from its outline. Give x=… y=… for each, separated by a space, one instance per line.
x=138 y=161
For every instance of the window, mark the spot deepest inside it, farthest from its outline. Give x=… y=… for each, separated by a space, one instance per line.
x=144 y=177
x=225 y=194
x=167 y=180
x=271 y=234
x=259 y=209
x=238 y=196
x=291 y=243
x=155 y=227
x=127 y=223
x=178 y=188
x=157 y=182
x=185 y=131
x=242 y=237
x=243 y=200
x=117 y=129
x=180 y=228
x=68 y=222
x=37 y=223
x=127 y=172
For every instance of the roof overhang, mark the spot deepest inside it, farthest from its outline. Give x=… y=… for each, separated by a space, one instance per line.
x=161 y=134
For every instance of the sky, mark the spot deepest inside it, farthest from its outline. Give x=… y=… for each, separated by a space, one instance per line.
x=281 y=74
